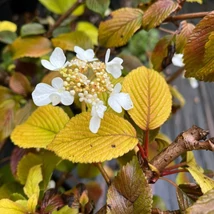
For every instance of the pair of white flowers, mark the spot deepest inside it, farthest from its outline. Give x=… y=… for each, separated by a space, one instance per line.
x=45 y=94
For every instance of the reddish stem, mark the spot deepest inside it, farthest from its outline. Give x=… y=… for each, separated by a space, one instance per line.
x=142 y=152
x=164 y=173
x=175 y=166
x=146 y=143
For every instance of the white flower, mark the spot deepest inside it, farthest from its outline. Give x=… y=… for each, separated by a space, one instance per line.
x=83 y=55
x=119 y=100
x=44 y=94
x=57 y=60
x=97 y=113
x=113 y=67
x=193 y=82
x=177 y=60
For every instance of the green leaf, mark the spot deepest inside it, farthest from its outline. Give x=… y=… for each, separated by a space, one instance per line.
x=150 y=96
x=185 y=30
x=34 y=46
x=198 y=50
x=41 y=127
x=67 y=41
x=25 y=164
x=177 y=95
x=117 y=30
x=198 y=1
x=8 y=26
x=9 y=207
x=129 y=192
x=203 y=205
x=7 y=37
x=78 y=144
x=32 y=29
x=158 y=202
x=87 y=171
x=7 y=189
x=162 y=53
x=61 y=6
x=66 y=210
x=98 y=6
x=158 y=12
x=162 y=140
x=91 y=32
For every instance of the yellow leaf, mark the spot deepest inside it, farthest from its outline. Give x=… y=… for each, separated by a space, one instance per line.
x=196 y=171
x=9 y=207
x=41 y=127
x=8 y=26
x=34 y=46
x=78 y=144
x=32 y=203
x=158 y=12
x=150 y=95
x=197 y=1
x=61 y=6
x=117 y=30
x=33 y=179
x=67 y=41
x=91 y=31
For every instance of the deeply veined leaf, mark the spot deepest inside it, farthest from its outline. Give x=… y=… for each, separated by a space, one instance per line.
x=196 y=171
x=98 y=6
x=8 y=26
x=203 y=205
x=61 y=6
x=198 y=1
x=158 y=12
x=129 y=192
x=185 y=30
x=67 y=41
x=78 y=144
x=162 y=53
x=32 y=203
x=41 y=127
x=33 y=179
x=206 y=72
x=117 y=30
x=195 y=49
x=5 y=94
x=34 y=46
x=91 y=31
x=150 y=95
x=9 y=207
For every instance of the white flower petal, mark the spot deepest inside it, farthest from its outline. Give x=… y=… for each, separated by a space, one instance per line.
x=100 y=109
x=114 y=70
x=177 y=60
x=193 y=82
x=117 y=88
x=79 y=52
x=57 y=82
x=41 y=94
x=55 y=99
x=125 y=101
x=85 y=55
x=94 y=124
x=57 y=58
x=107 y=56
x=113 y=103
x=47 y=65
x=66 y=98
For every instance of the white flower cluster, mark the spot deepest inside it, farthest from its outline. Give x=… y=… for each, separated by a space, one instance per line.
x=84 y=77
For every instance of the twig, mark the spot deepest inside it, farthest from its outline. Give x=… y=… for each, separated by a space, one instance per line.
x=146 y=142
x=186 y=16
x=176 y=166
x=63 y=17
x=166 y=30
x=171 y=172
x=189 y=140
x=103 y=172
x=169 y=181
x=175 y=75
